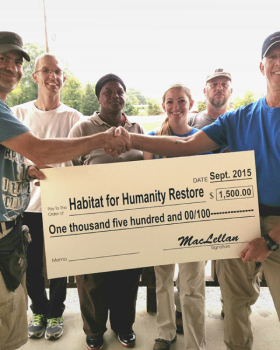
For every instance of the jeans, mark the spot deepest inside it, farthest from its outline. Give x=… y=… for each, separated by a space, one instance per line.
x=35 y=281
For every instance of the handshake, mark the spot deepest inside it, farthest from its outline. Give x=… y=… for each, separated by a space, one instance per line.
x=118 y=141
x=114 y=141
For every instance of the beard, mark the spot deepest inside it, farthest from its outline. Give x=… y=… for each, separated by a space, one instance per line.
x=8 y=86
x=218 y=104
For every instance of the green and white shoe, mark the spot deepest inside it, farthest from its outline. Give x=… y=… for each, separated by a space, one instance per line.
x=37 y=326
x=54 y=328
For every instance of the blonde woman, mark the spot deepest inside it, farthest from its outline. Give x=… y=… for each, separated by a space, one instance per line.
x=177 y=102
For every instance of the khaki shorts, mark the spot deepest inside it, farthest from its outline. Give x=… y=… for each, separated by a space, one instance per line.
x=13 y=316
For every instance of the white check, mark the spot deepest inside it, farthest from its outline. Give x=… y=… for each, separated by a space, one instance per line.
x=125 y=215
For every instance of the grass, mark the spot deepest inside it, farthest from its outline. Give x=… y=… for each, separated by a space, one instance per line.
x=150 y=126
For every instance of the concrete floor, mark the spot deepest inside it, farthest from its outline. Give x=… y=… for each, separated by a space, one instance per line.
x=264 y=322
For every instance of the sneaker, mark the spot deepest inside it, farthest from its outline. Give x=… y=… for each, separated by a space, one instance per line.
x=161 y=344
x=37 y=326
x=94 y=342
x=54 y=328
x=127 y=339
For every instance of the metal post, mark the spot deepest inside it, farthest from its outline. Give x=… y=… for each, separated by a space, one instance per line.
x=46 y=32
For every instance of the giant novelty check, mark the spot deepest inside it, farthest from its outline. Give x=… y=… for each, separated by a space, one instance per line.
x=135 y=214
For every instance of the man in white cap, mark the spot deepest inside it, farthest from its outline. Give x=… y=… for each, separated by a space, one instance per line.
x=253 y=127
x=217 y=91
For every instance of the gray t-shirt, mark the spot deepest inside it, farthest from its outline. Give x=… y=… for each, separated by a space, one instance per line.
x=94 y=125
x=199 y=120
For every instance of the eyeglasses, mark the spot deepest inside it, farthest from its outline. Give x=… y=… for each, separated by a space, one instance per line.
x=48 y=71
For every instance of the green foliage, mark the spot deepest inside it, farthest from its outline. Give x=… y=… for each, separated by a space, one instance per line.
x=15 y=97
x=130 y=109
x=201 y=106
x=135 y=96
x=134 y=102
x=26 y=90
x=72 y=93
x=131 y=103
x=154 y=107
x=247 y=99
x=89 y=102
x=130 y=97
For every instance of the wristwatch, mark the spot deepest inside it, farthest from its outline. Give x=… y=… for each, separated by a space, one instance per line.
x=271 y=244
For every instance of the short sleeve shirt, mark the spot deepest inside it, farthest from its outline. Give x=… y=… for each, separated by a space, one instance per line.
x=254 y=127
x=14 y=191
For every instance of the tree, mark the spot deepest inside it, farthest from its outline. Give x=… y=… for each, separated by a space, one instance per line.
x=133 y=93
x=247 y=99
x=15 y=97
x=201 y=106
x=26 y=90
x=130 y=109
x=72 y=93
x=131 y=103
x=130 y=97
x=154 y=107
x=90 y=102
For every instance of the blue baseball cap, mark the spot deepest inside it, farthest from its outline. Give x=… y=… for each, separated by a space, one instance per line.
x=269 y=42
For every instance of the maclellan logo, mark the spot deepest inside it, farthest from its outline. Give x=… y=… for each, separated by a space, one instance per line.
x=212 y=239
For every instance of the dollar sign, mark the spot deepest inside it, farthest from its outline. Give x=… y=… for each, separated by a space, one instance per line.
x=211 y=195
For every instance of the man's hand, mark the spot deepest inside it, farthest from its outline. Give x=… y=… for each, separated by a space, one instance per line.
x=118 y=143
x=255 y=250
x=121 y=131
x=34 y=172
